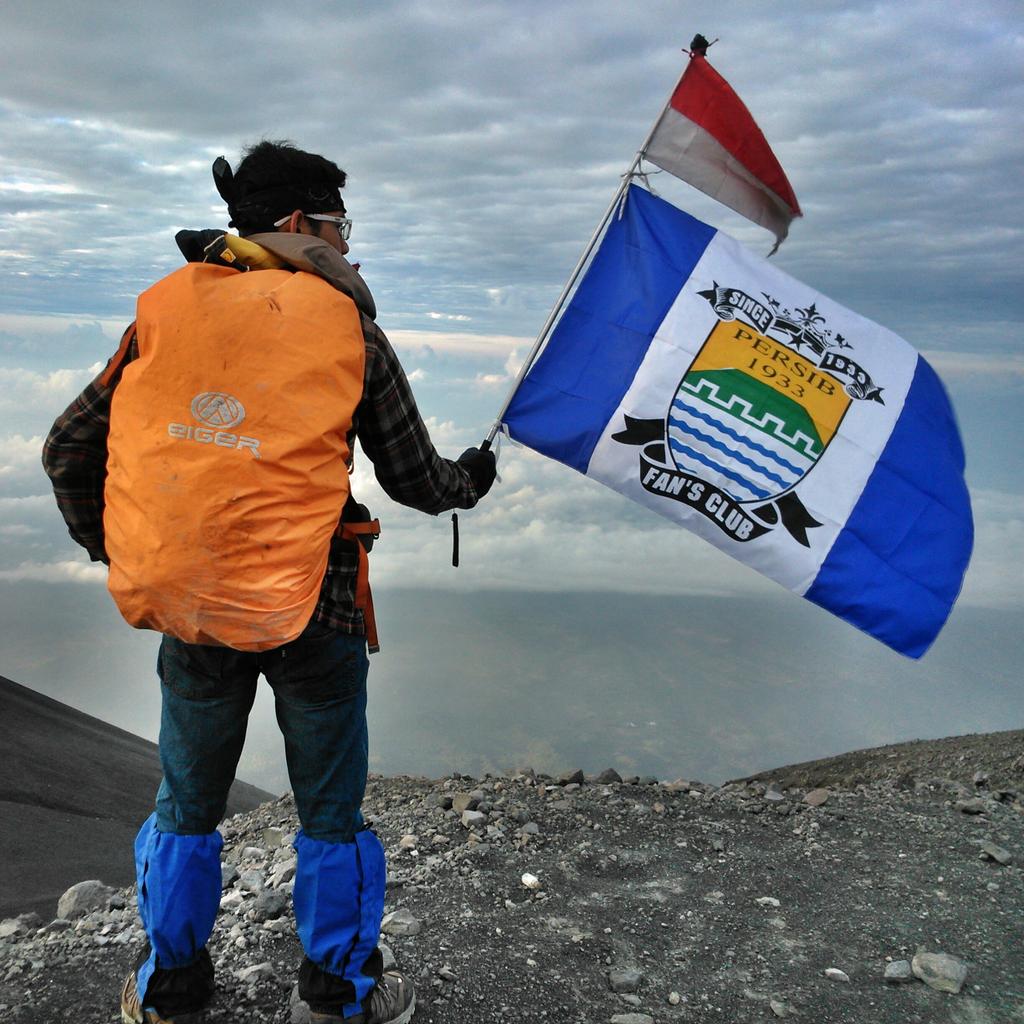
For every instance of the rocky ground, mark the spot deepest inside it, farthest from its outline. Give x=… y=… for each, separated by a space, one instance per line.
x=527 y=898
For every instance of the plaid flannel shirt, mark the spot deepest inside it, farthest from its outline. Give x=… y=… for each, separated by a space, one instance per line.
x=388 y=424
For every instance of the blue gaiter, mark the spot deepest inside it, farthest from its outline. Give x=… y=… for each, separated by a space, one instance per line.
x=339 y=903
x=179 y=895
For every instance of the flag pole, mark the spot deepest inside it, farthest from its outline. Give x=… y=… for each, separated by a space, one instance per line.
x=553 y=315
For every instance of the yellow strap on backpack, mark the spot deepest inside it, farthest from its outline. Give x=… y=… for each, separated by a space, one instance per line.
x=254 y=256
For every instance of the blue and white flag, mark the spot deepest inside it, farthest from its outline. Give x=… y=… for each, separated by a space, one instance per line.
x=806 y=441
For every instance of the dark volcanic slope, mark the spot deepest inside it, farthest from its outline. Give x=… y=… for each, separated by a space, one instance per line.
x=73 y=792
x=1001 y=754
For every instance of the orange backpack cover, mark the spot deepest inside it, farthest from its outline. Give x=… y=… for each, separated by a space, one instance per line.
x=228 y=453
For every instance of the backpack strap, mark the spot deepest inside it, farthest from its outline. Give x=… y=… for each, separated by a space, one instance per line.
x=362 y=534
x=117 y=360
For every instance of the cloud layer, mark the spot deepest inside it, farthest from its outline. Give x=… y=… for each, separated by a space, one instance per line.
x=482 y=143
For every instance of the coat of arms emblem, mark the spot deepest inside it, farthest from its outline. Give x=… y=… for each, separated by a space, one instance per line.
x=754 y=412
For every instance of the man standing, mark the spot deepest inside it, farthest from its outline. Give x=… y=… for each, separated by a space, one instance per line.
x=230 y=544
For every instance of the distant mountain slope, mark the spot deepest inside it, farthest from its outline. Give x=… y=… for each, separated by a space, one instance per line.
x=1000 y=755
x=73 y=792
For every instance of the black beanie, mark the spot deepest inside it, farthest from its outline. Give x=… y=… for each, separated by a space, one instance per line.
x=270 y=199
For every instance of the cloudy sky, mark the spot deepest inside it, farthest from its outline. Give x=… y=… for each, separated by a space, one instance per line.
x=482 y=142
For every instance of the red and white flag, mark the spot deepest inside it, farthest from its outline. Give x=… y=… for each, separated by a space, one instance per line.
x=707 y=137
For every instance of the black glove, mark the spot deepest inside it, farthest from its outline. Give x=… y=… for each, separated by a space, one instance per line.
x=481 y=467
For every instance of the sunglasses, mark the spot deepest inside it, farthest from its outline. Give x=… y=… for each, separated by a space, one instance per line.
x=343 y=224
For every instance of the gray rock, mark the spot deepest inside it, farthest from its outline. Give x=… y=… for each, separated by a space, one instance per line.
x=976 y=805
x=444 y=801
x=23 y=924
x=300 y=1012
x=462 y=802
x=26 y=924
x=816 y=797
x=940 y=971
x=779 y=1008
x=273 y=837
x=252 y=881
x=980 y=778
x=232 y=901
x=269 y=905
x=473 y=819
x=388 y=955
x=608 y=776
x=835 y=974
x=996 y=853
x=84 y=898
x=898 y=971
x=400 y=922
x=773 y=794
x=228 y=874
x=632 y=1018
x=576 y=776
x=283 y=872
x=256 y=973
x=625 y=979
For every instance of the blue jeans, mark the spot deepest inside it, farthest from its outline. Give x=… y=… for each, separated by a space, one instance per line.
x=319 y=684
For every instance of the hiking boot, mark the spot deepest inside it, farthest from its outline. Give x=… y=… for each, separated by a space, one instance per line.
x=133 y=1013
x=393 y=1001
